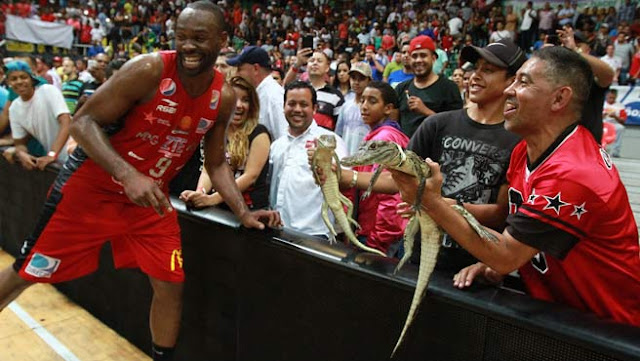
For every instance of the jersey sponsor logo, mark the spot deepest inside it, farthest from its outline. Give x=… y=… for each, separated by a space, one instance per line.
x=173 y=146
x=515 y=200
x=215 y=98
x=170 y=102
x=539 y=262
x=166 y=109
x=176 y=259
x=146 y=136
x=164 y=122
x=606 y=159
x=134 y=155
x=42 y=266
x=204 y=125
x=184 y=125
x=167 y=87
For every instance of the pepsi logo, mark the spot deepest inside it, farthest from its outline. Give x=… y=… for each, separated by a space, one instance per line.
x=167 y=87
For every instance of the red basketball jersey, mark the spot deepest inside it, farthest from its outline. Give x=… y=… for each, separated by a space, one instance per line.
x=159 y=136
x=575 y=193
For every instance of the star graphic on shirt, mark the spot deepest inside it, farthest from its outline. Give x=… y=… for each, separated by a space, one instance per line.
x=149 y=117
x=532 y=197
x=556 y=203
x=578 y=211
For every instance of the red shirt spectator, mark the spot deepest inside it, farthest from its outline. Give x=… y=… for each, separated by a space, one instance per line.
x=343 y=31
x=447 y=42
x=85 y=34
x=634 y=71
x=23 y=9
x=48 y=17
x=75 y=23
x=237 y=15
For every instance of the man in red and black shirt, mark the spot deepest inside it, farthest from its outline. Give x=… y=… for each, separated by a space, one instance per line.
x=570 y=229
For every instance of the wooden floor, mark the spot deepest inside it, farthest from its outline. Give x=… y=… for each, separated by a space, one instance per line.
x=63 y=324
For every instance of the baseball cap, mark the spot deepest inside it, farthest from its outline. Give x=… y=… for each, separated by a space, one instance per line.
x=362 y=68
x=370 y=47
x=251 y=55
x=422 y=42
x=18 y=65
x=503 y=53
x=579 y=38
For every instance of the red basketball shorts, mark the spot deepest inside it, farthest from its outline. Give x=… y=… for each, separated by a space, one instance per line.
x=76 y=223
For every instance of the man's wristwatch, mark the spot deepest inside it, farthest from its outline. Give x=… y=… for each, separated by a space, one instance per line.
x=52 y=154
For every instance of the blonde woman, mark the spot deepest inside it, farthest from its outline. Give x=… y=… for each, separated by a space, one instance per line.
x=247 y=152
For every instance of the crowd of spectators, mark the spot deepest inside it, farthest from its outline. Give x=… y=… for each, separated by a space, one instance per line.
x=125 y=28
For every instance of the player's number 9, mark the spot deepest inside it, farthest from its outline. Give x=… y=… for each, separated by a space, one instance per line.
x=161 y=166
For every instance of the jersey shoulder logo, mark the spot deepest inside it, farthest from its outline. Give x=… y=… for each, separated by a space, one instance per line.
x=215 y=98
x=167 y=87
x=606 y=159
x=204 y=125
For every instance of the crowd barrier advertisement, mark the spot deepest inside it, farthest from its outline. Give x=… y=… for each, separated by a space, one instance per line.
x=630 y=97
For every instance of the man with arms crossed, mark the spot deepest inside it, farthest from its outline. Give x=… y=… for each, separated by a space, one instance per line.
x=163 y=103
x=570 y=229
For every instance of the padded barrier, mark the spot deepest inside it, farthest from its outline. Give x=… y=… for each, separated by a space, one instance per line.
x=275 y=295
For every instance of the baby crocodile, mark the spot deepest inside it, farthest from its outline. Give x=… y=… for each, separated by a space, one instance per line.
x=333 y=199
x=391 y=155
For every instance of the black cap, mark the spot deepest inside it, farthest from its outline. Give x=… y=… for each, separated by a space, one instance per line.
x=251 y=55
x=580 y=38
x=503 y=53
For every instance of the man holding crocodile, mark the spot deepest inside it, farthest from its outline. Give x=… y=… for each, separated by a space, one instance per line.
x=570 y=229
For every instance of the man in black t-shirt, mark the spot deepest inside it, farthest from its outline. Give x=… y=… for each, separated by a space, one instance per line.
x=472 y=145
x=603 y=75
x=427 y=93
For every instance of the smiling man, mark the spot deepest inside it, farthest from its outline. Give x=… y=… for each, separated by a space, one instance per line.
x=472 y=145
x=39 y=112
x=156 y=108
x=570 y=230
x=427 y=93
x=294 y=192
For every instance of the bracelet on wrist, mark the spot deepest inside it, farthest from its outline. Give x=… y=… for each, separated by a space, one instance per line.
x=354 y=179
x=52 y=154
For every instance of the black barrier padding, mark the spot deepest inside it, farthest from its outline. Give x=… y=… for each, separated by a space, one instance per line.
x=506 y=342
x=274 y=295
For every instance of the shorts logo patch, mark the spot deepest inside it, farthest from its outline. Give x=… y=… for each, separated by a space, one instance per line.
x=42 y=266
x=215 y=97
x=176 y=259
x=167 y=87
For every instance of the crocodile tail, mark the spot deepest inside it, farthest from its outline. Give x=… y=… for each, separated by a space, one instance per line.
x=428 y=256
x=343 y=221
x=409 y=237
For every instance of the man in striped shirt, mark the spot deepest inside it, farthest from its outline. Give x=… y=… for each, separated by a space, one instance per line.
x=330 y=99
x=72 y=86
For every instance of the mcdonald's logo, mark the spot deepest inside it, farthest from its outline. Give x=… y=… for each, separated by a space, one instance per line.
x=176 y=255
